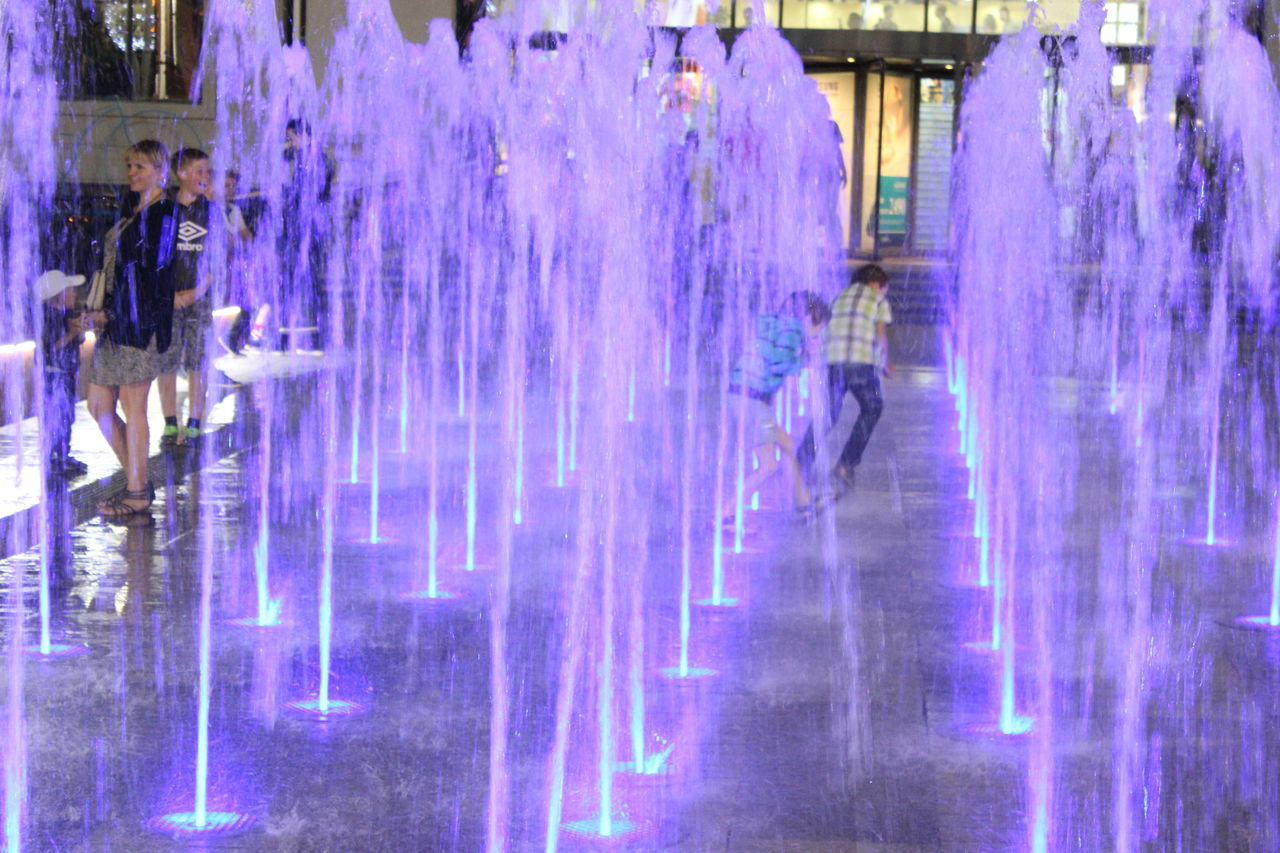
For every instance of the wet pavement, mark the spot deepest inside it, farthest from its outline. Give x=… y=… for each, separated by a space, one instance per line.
x=839 y=717
x=79 y=496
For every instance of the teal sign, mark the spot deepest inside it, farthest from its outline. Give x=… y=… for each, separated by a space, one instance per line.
x=893 y=205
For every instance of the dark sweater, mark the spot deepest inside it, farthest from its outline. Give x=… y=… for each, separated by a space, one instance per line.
x=141 y=300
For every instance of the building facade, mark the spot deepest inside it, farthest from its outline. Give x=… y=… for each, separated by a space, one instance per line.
x=893 y=72
x=132 y=64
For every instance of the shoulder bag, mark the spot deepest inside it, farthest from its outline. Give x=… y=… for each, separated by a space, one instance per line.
x=104 y=279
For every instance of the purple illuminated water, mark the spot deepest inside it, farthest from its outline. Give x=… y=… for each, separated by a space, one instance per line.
x=1115 y=255
x=490 y=504
x=27 y=173
x=529 y=241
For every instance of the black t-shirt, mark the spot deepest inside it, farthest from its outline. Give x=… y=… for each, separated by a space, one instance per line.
x=195 y=222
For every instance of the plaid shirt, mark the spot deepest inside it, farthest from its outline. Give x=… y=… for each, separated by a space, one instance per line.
x=851 y=334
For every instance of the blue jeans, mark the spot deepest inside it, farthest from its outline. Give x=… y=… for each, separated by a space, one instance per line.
x=863 y=382
x=60 y=410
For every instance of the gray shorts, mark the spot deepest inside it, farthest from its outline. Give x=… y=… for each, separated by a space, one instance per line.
x=113 y=365
x=759 y=425
x=191 y=329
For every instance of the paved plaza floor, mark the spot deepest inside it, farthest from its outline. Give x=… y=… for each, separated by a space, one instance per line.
x=845 y=711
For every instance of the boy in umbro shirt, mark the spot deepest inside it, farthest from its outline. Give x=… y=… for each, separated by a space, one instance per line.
x=196 y=218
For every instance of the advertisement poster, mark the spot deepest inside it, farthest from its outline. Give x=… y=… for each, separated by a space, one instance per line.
x=837 y=88
x=893 y=207
x=889 y=135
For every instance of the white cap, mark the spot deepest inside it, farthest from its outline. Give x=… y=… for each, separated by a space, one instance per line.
x=55 y=281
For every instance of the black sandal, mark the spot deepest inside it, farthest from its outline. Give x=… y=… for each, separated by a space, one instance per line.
x=116 y=508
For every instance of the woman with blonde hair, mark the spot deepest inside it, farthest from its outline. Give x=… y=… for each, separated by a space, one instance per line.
x=135 y=321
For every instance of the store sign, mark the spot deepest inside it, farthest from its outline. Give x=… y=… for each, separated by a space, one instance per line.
x=893 y=206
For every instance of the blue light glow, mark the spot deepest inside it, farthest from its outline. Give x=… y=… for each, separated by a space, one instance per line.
x=269 y=612
x=597 y=829
x=187 y=826
x=723 y=601
x=690 y=673
x=1275 y=577
x=655 y=764
x=1208 y=541
x=1015 y=726
x=323 y=710
x=273 y=621
x=55 y=651
x=437 y=594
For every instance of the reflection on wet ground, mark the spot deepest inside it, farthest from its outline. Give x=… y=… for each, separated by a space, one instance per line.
x=77 y=497
x=836 y=718
x=20 y=463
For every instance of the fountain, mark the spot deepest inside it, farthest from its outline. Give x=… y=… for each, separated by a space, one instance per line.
x=491 y=505
x=1113 y=259
x=564 y=203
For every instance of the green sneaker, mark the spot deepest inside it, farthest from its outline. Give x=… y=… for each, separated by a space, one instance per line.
x=190 y=434
x=169 y=438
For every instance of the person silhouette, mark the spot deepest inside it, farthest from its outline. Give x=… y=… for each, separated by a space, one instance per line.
x=1007 y=24
x=945 y=24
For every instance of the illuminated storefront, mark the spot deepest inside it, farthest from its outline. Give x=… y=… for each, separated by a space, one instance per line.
x=897 y=131
x=894 y=75
x=894 y=79
x=1126 y=19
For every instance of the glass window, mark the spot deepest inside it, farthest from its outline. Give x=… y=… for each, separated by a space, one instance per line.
x=933 y=164
x=905 y=15
x=748 y=12
x=132 y=26
x=131 y=48
x=890 y=15
x=1129 y=88
x=95 y=65
x=814 y=15
x=953 y=17
x=886 y=163
x=838 y=89
x=999 y=17
x=856 y=20
x=1057 y=14
x=1126 y=19
x=689 y=13
x=1125 y=24
x=719 y=17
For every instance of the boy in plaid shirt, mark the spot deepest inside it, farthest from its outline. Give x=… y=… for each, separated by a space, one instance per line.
x=857 y=352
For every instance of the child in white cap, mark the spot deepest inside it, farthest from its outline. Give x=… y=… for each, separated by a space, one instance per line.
x=60 y=339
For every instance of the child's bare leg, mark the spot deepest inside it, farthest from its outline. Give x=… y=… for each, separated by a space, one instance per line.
x=768 y=465
x=793 y=469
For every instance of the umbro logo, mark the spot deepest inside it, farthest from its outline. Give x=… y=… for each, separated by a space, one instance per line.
x=189 y=232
